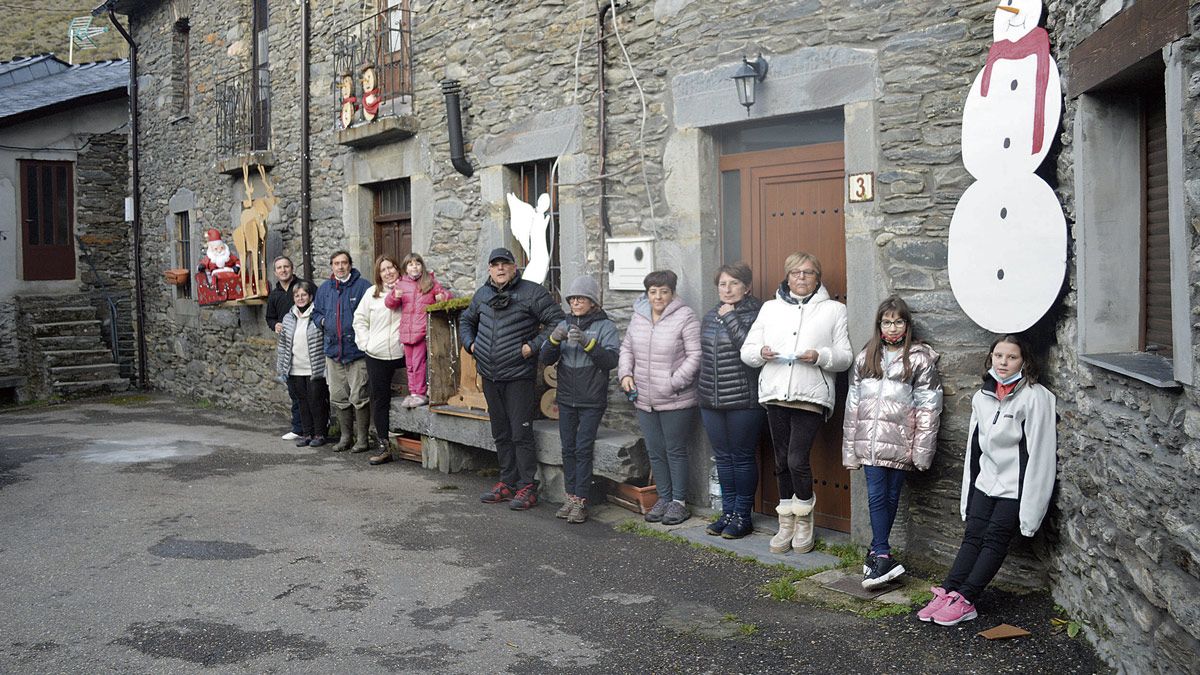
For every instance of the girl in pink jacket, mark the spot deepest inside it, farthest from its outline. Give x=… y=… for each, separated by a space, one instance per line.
x=414 y=291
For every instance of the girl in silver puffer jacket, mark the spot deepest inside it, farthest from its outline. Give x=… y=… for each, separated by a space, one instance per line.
x=893 y=410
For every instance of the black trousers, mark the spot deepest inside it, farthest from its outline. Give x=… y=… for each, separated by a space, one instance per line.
x=792 y=434
x=991 y=525
x=510 y=407
x=312 y=396
x=379 y=385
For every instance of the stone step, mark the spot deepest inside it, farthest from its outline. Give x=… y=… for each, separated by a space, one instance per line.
x=73 y=389
x=70 y=343
x=30 y=303
x=62 y=314
x=67 y=328
x=77 y=357
x=85 y=373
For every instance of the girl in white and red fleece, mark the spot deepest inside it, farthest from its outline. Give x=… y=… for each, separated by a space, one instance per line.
x=414 y=291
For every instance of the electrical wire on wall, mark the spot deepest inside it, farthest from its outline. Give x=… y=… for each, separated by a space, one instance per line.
x=642 y=95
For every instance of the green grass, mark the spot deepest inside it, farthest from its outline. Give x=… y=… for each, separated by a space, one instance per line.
x=128 y=399
x=781 y=589
x=880 y=610
x=45 y=30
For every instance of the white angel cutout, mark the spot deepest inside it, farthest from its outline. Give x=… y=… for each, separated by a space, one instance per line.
x=529 y=226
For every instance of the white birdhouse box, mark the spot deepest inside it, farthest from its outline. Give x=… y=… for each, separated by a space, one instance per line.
x=630 y=259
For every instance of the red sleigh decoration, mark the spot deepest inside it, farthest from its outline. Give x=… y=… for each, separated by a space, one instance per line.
x=223 y=288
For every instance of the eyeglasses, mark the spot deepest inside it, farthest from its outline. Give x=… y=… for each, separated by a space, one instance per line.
x=898 y=323
x=800 y=274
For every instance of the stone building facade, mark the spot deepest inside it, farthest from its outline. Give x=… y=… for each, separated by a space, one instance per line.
x=879 y=85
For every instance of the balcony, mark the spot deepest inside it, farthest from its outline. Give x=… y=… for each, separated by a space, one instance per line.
x=373 y=88
x=244 y=120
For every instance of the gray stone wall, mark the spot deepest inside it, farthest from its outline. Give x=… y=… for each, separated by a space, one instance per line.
x=1119 y=548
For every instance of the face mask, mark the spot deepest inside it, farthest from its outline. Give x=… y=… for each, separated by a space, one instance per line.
x=1011 y=378
x=898 y=340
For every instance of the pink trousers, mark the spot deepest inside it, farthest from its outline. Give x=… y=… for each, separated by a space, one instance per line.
x=414 y=360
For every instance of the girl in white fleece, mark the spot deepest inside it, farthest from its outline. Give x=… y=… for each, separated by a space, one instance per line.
x=1008 y=476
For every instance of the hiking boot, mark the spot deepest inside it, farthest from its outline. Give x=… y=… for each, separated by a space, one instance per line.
x=525 y=499
x=362 y=430
x=940 y=599
x=957 y=610
x=655 y=514
x=565 y=510
x=782 y=541
x=500 y=492
x=802 y=539
x=884 y=570
x=303 y=441
x=718 y=526
x=384 y=456
x=739 y=526
x=578 y=512
x=316 y=442
x=676 y=513
x=345 y=428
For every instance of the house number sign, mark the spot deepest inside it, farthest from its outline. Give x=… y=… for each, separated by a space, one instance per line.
x=862 y=186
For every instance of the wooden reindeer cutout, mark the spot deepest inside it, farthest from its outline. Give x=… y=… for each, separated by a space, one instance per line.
x=250 y=237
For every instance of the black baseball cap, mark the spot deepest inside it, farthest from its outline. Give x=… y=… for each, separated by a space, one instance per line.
x=501 y=254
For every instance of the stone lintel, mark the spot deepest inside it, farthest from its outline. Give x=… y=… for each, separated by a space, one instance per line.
x=382 y=130
x=233 y=165
x=541 y=136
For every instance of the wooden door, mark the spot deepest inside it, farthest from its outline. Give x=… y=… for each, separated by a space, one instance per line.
x=793 y=200
x=47 y=220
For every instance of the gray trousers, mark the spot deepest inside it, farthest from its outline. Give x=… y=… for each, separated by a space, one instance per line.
x=666 y=433
x=347 y=384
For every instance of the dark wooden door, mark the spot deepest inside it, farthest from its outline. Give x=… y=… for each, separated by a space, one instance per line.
x=793 y=200
x=47 y=220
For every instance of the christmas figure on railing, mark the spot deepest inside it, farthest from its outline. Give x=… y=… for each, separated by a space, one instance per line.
x=218 y=274
x=349 y=104
x=370 y=98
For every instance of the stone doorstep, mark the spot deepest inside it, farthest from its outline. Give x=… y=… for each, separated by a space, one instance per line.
x=67 y=328
x=61 y=314
x=84 y=372
x=618 y=456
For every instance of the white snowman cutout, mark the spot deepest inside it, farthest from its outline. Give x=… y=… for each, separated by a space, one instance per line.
x=1008 y=236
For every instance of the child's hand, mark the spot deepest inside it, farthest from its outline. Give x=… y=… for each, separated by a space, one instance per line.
x=440 y=297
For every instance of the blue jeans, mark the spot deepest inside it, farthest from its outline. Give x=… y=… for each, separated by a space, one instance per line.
x=577 y=430
x=883 y=497
x=734 y=438
x=666 y=433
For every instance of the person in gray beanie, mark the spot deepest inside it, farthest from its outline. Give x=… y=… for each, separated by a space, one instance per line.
x=586 y=346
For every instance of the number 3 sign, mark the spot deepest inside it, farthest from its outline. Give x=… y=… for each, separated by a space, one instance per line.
x=862 y=186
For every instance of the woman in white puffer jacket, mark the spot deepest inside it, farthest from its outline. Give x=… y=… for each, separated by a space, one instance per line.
x=800 y=340
x=376 y=332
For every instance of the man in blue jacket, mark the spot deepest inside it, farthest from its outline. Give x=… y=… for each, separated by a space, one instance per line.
x=345 y=364
x=504 y=328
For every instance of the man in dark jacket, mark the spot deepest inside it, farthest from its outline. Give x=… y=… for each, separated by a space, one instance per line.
x=345 y=365
x=279 y=301
x=504 y=328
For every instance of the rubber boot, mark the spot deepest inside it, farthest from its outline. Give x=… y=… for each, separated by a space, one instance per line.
x=345 y=428
x=782 y=541
x=802 y=539
x=362 y=429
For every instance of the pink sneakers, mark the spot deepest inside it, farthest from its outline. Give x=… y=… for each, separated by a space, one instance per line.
x=940 y=600
x=956 y=610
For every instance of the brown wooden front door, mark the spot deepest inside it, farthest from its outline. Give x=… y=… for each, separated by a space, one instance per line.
x=792 y=200
x=47 y=220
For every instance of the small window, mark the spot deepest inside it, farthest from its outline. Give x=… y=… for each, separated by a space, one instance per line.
x=533 y=180
x=181 y=75
x=393 y=218
x=183 y=253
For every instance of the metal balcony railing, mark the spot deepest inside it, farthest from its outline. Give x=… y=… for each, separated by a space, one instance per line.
x=244 y=113
x=381 y=42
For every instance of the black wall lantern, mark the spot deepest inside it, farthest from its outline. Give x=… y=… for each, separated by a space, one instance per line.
x=749 y=73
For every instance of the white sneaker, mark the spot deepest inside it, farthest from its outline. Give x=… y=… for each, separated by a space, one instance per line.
x=290 y=436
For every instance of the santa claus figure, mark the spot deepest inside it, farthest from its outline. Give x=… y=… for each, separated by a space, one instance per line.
x=217 y=276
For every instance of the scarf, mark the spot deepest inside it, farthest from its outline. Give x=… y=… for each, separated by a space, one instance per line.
x=1037 y=42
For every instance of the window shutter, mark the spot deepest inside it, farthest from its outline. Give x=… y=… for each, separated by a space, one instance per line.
x=1156 y=284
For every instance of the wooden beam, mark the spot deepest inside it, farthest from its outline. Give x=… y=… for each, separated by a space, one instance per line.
x=1128 y=38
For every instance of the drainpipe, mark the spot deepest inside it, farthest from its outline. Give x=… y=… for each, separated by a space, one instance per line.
x=139 y=300
x=458 y=156
x=305 y=215
x=601 y=116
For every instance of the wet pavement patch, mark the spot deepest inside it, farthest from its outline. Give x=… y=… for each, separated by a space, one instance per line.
x=189 y=549
x=430 y=657
x=219 y=462
x=9 y=474
x=216 y=644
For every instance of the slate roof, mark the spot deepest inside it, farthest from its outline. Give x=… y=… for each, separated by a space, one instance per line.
x=33 y=83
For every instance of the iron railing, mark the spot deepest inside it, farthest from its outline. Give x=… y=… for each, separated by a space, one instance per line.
x=244 y=113
x=382 y=41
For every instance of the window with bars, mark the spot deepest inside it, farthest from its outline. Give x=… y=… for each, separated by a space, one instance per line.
x=183 y=252
x=533 y=180
x=393 y=218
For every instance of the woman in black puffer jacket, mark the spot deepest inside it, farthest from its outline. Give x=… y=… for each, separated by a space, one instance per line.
x=729 y=403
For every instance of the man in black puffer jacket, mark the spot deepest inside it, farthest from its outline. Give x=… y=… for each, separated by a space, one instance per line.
x=504 y=328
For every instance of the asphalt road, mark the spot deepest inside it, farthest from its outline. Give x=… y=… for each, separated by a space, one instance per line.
x=149 y=536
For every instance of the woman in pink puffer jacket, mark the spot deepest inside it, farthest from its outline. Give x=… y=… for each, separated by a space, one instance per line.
x=660 y=358
x=415 y=290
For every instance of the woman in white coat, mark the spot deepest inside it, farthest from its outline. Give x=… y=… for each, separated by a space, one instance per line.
x=376 y=332
x=799 y=340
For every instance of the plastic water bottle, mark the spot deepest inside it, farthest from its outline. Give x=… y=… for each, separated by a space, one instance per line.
x=714 y=488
